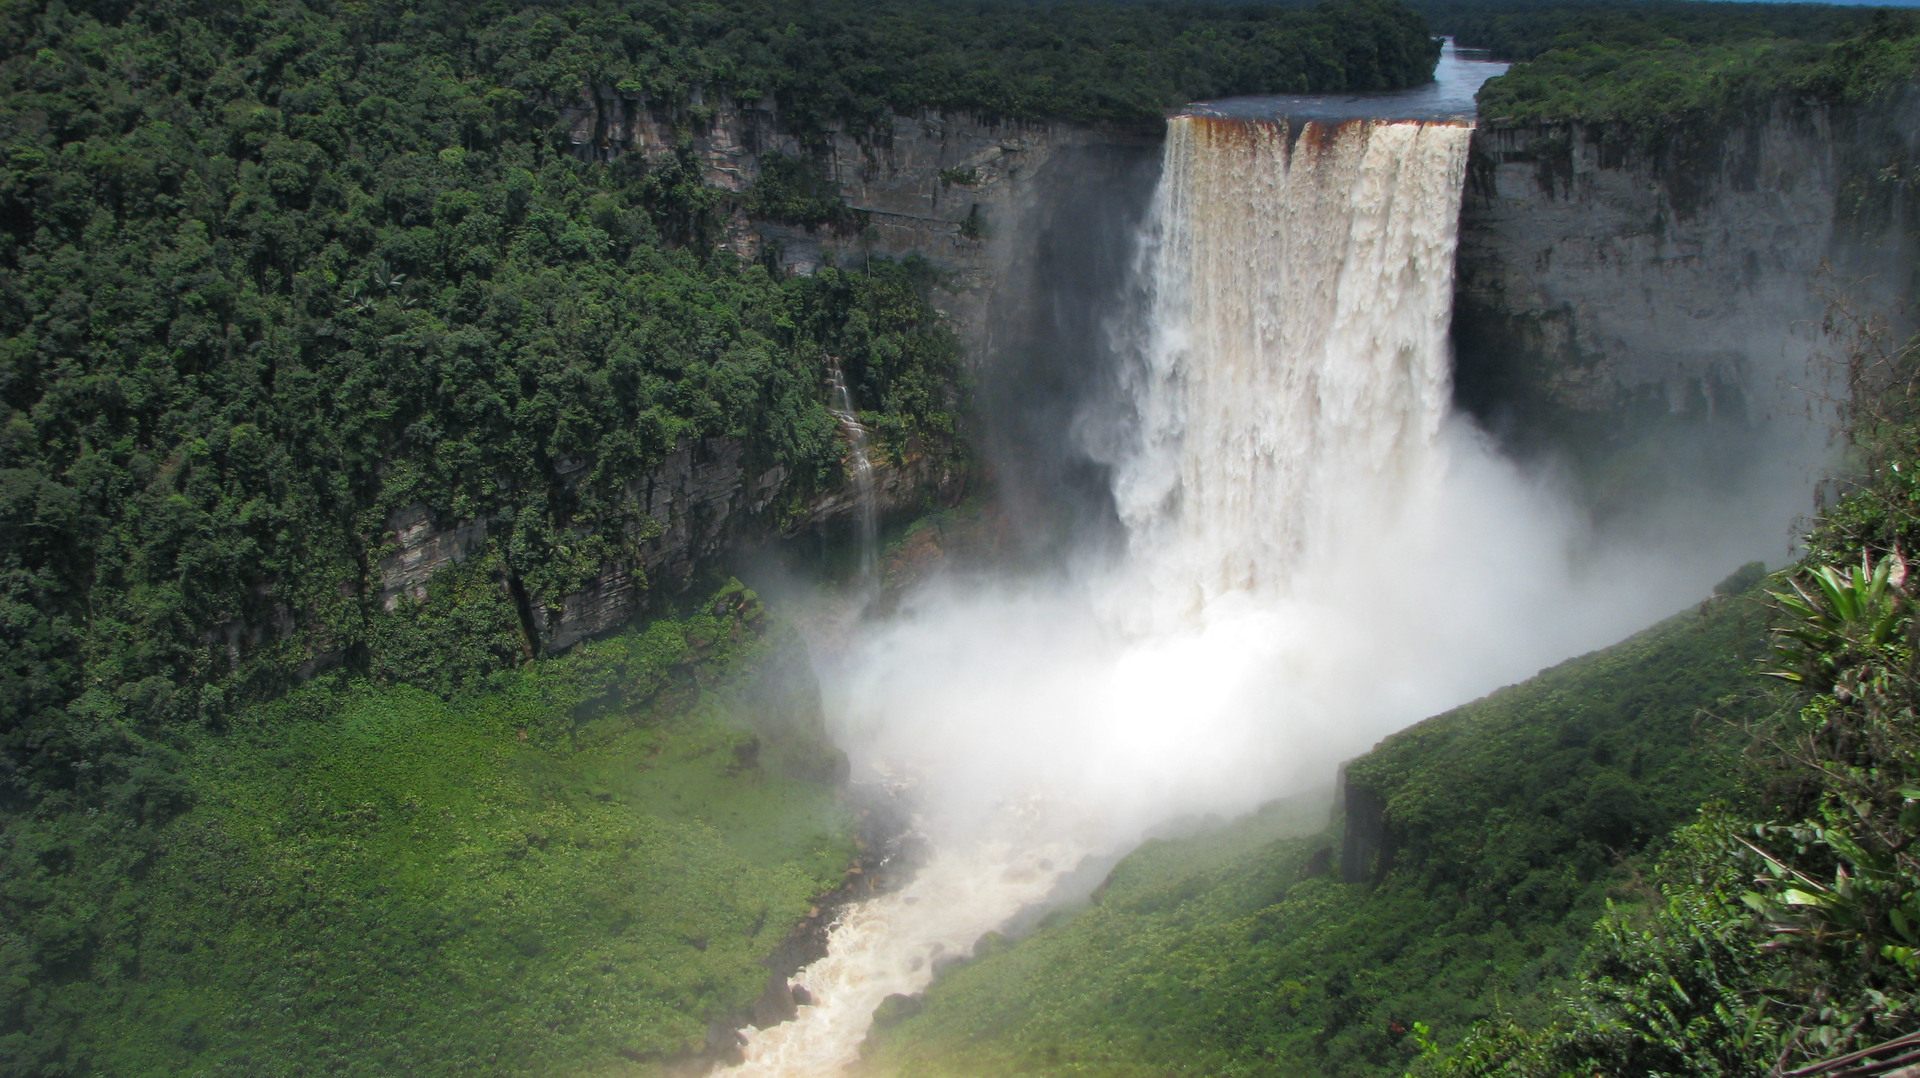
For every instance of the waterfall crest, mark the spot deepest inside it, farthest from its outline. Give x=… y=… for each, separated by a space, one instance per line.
x=1291 y=370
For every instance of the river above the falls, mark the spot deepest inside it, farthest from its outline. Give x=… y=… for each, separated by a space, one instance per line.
x=1456 y=79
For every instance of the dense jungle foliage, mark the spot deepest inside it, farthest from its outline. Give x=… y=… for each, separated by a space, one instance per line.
x=1657 y=65
x=1524 y=29
x=1505 y=826
x=855 y=59
x=270 y=272
x=270 y=275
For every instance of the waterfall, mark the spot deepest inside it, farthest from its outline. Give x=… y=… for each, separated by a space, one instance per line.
x=840 y=406
x=1287 y=386
x=1292 y=368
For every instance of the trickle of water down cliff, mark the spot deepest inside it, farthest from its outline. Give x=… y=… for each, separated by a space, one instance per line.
x=1319 y=552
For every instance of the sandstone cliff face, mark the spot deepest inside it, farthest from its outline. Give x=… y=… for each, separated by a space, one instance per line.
x=961 y=191
x=1606 y=284
x=1368 y=842
x=697 y=504
x=420 y=548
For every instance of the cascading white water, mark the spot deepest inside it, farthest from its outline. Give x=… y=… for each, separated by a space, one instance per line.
x=1289 y=385
x=1294 y=375
x=840 y=406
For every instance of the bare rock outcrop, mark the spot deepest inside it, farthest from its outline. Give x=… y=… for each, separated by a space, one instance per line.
x=420 y=548
x=1610 y=279
x=956 y=189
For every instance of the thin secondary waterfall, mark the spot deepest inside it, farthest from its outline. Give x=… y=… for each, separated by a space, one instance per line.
x=1294 y=372
x=840 y=406
x=1288 y=388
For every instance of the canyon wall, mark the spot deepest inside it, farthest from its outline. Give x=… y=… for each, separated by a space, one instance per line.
x=971 y=196
x=1610 y=281
x=961 y=191
x=697 y=505
x=1613 y=287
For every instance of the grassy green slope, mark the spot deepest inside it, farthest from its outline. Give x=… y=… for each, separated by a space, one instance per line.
x=571 y=873
x=1241 y=951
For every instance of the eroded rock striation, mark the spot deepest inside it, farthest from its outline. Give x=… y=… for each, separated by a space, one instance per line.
x=1608 y=277
x=959 y=190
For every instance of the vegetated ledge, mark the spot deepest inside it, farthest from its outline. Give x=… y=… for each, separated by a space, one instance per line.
x=1609 y=746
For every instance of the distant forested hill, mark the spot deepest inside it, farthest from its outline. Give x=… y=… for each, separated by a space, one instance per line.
x=1654 y=64
x=1523 y=29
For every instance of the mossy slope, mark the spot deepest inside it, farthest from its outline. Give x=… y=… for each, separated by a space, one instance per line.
x=573 y=872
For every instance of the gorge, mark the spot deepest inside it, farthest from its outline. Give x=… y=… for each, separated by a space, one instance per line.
x=1617 y=297
x=623 y=537
x=1302 y=511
